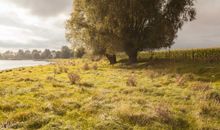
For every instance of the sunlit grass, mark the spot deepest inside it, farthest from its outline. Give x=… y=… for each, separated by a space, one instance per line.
x=85 y=94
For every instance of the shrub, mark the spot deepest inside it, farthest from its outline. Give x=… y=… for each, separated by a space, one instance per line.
x=74 y=78
x=131 y=81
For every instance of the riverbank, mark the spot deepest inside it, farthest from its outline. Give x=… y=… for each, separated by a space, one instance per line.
x=84 y=94
x=6 y=65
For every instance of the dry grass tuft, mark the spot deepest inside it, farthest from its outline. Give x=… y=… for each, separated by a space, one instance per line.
x=86 y=67
x=201 y=87
x=163 y=113
x=95 y=67
x=131 y=81
x=73 y=78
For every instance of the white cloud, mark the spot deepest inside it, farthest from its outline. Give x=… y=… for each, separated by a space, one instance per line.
x=23 y=26
x=40 y=24
x=44 y=8
x=205 y=30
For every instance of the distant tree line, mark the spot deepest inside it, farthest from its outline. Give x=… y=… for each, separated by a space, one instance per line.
x=64 y=53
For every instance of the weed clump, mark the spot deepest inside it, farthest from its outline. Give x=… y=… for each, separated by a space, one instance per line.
x=131 y=81
x=73 y=78
x=86 y=67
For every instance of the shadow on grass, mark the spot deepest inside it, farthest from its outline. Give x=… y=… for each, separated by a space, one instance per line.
x=204 y=71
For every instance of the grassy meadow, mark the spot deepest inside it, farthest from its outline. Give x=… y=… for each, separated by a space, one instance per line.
x=82 y=94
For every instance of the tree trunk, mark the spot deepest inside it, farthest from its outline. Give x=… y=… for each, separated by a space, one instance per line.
x=112 y=58
x=132 y=56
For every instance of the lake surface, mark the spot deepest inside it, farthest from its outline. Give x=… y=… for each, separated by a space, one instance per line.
x=12 y=64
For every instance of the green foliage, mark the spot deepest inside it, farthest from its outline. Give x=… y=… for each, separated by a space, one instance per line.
x=36 y=54
x=66 y=52
x=204 y=55
x=80 y=52
x=108 y=26
x=46 y=54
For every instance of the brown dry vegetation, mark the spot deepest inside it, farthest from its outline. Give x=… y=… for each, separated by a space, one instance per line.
x=149 y=95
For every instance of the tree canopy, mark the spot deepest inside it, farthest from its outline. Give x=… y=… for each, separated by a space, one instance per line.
x=130 y=26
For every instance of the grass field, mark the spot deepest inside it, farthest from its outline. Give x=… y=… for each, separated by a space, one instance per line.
x=82 y=94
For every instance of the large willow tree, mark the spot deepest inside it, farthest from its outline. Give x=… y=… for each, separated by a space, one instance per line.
x=109 y=26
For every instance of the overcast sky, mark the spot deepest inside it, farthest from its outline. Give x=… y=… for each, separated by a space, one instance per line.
x=40 y=24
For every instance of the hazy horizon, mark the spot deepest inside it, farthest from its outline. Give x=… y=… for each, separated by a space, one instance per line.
x=39 y=24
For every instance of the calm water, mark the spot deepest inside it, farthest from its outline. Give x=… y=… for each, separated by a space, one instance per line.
x=11 y=64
